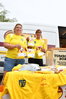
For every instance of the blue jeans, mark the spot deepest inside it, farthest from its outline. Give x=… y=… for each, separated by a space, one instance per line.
x=10 y=63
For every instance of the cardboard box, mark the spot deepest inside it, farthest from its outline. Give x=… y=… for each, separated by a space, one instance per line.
x=56 y=56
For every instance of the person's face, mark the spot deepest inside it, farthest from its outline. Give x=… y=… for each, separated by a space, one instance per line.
x=18 y=29
x=38 y=35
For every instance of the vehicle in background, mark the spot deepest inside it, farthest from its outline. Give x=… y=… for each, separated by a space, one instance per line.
x=48 y=32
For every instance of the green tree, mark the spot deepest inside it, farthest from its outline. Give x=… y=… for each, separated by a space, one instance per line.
x=3 y=13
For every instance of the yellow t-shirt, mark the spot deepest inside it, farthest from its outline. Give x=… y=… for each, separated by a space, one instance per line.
x=15 y=39
x=30 y=85
x=41 y=43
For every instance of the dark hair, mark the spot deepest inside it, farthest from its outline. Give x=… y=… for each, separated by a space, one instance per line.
x=38 y=31
x=18 y=24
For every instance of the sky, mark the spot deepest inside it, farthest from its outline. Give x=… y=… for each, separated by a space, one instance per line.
x=52 y=12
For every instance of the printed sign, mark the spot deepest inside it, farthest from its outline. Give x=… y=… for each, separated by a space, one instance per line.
x=59 y=57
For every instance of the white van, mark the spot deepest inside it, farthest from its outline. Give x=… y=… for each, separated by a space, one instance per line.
x=48 y=32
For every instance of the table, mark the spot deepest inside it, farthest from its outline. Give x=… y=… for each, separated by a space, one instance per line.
x=33 y=85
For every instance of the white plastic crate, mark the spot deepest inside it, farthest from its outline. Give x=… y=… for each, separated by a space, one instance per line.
x=6 y=96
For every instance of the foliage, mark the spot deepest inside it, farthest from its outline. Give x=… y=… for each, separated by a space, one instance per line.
x=3 y=13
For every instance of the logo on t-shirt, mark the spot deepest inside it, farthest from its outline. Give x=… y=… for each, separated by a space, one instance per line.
x=34 y=41
x=22 y=83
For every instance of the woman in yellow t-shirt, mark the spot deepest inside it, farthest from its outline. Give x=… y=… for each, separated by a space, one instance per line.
x=40 y=47
x=14 y=44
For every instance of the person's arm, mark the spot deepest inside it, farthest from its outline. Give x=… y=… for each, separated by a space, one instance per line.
x=43 y=50
x=7 y=43
x=1 y=43
x=10 y=46
x=27 y=39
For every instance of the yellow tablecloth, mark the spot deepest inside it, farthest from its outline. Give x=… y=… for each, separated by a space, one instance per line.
x=33 y=85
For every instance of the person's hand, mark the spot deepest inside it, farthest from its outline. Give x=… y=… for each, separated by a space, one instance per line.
x=27 y=38
x=38 y=48
x=43 y=50
x=18 y=46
